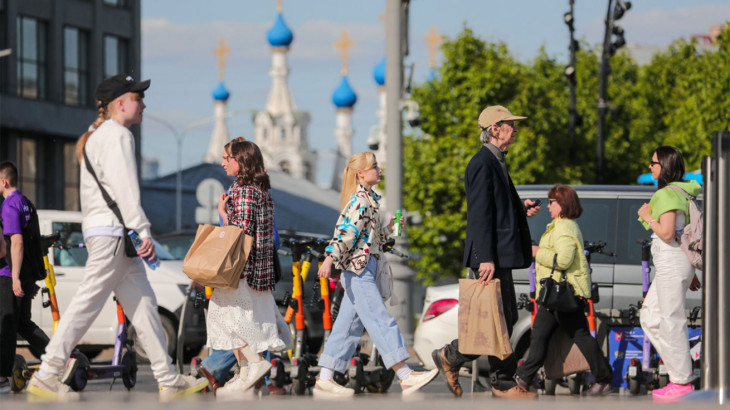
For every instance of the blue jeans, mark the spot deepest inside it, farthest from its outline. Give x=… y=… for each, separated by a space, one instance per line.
x=219 y=363
x=363 y=308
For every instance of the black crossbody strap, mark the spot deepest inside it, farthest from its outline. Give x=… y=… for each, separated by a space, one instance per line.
x=109 y=201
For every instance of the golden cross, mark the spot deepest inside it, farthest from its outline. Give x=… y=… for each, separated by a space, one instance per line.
x=433 y=39
x=342 y=45
x=221 y=52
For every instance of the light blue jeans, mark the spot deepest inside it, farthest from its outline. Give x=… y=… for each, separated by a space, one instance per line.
x=363 y=308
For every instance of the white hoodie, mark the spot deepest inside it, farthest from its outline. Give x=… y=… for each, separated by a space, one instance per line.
x=110 y=150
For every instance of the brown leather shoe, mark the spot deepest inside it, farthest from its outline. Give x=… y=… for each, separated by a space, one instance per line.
x=449 y=373
x=212 y=382
x=516 y=392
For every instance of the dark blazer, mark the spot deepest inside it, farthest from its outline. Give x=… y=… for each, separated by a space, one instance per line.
x=496 y=222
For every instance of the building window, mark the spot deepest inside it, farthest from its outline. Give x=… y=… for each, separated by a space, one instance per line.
x=75 y=66
x=116 y=56
x=117 y=3
x=28 y=169
x=70 y=177
x=31 y=58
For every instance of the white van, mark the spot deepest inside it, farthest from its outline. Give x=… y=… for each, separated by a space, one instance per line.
x=168 y=282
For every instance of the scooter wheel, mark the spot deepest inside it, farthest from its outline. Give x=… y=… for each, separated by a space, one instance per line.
x=18 y=382
x=575 y=381
x=129 y=374
x=550 y=385
x=78 y=381
x=299 y=386
x=663 y=380
x=634 y=386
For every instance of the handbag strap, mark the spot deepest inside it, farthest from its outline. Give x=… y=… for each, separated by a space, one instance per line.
x=564 y=276
x=109 y=201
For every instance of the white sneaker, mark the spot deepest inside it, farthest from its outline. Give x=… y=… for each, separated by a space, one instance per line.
x=331 y=390
x=68 y=374
x=50 y=388
x=234 y=389
x=254 y=372
x=181 y=386
x=416 y=380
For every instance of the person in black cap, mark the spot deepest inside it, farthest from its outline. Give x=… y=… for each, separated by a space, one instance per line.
x=107 y=157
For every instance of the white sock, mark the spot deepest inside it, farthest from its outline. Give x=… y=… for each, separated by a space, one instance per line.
x=404 y=372
x=326 y=374
x=250 y=355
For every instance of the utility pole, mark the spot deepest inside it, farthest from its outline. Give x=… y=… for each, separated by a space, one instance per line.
x=396 y=17
x=570 y=74
x=609 y=49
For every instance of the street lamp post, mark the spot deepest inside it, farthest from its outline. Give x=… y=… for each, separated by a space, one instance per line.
x=179 y=137
x=395 y=17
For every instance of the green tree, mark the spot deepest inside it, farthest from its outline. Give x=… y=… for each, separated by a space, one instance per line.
x=680 y=98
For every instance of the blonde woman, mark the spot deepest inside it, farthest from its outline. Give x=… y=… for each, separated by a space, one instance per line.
x=108 y=147
x=355 y=248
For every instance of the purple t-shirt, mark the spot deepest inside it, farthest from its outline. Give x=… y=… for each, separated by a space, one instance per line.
x=15 y=212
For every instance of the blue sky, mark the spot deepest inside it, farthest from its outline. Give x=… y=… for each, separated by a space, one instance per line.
x=178 y=38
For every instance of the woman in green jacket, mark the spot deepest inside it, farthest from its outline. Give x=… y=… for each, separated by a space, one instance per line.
x=562 y=242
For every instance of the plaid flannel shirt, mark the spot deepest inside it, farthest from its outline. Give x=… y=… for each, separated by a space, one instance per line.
x=358 y=233
x=252 y=210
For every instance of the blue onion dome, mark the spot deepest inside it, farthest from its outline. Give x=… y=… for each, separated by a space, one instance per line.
x=379 y=73
x=344 y=97
x=220 y=93
x=280 y=35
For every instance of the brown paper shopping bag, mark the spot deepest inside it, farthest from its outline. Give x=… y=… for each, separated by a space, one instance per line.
x=482 y=329
x=217 y=256
x=563 y=356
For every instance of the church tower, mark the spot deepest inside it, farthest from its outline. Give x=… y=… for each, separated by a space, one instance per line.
x=281 y=130
x=220 y=136
x=344 y=99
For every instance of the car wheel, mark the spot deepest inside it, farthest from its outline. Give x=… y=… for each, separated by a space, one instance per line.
x=90 y=351
x=170 y=331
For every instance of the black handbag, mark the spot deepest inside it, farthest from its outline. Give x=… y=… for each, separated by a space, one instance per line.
x=557 y=296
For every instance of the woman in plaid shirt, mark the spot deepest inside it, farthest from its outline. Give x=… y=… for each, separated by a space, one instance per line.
x=244 y=320
x=355 y=249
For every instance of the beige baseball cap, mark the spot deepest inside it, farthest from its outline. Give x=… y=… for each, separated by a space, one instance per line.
x=496 y=113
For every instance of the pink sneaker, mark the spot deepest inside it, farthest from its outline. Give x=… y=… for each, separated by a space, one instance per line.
x=671 y=393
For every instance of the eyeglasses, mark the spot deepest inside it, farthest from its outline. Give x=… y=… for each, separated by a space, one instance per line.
x=652 y=163
x=227 y=158
x=510 y=123
x=550 y=201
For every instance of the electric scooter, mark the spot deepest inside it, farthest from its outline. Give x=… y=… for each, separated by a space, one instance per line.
x=124 y=363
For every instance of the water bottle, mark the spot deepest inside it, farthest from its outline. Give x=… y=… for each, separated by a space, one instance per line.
x=397 y=227
x=153 y=262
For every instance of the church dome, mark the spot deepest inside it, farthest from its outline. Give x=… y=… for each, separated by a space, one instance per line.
x=379 y=73
x=221 y=93
x=344 y=96
x=280 y=35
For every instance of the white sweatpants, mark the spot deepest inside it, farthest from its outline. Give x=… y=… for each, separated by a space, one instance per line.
x=663 y=316
x=108 y=269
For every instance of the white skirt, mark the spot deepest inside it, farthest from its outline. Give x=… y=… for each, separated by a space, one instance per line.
x=243 y=316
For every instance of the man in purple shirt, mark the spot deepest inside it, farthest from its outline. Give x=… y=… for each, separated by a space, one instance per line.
x=16 y=291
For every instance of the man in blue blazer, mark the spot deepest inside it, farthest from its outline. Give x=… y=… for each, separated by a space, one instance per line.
x=497 y=241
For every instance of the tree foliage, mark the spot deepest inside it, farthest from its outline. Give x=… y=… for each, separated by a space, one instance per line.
x=679 y=99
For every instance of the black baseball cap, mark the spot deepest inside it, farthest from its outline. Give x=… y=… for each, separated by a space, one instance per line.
x=117 y=85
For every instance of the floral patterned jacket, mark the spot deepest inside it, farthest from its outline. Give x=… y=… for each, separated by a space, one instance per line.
x=358 y=232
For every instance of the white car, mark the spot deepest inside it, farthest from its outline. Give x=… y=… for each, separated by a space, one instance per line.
x=168 y=282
